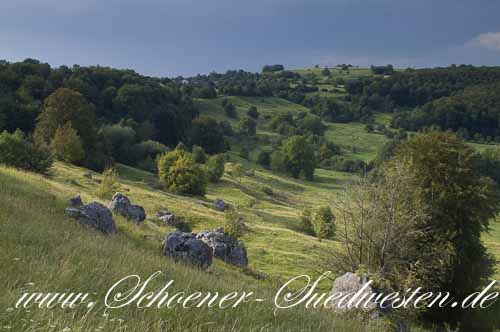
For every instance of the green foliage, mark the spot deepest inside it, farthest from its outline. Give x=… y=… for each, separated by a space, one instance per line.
x=215 y=167
x=234 y=225
x=461 y=206
x=207 y=133
x=108 y=185
x=299 y=157
x=199 y=155
x=237 y=171
x=66 y=144
x=119 y=141
x=17 y=151
x=324 y=223
x=248 y=126
x=306 y=221
x=278 y=162
x=179 y=173
x=144 y=154
x=272 y=68
x=230 y=110
x=264 y=159
x=64 y=106
x=253 y=112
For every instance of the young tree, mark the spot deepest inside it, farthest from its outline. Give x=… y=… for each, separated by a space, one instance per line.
x=324 y=223
x=215 y=167
x=234 y=225
x=107 y=187
x=64 y=106
x=66 y=144
x=264 y=159
x=299 y=157
x=248 y=126
x=207 y=133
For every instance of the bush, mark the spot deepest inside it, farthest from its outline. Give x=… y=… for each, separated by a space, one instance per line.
x=66 y=144
x=264 y=159
x=17 y=151
x=324 y=223
x=178 y=171
x=215 y=168
x=234 y=225
x=108 y=185
x=248 y=126
x=199 y=155
x=237 y=171
x=253 y=112
x=230 y=110
x=305 y=220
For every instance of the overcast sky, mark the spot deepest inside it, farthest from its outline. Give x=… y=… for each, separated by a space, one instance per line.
x=186 y=37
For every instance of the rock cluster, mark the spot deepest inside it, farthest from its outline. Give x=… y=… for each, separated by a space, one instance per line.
x=121 y=205
x=225 y=247
x=186 y=247
x=94 y=215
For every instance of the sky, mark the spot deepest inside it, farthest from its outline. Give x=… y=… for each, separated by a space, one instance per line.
x=167 y=38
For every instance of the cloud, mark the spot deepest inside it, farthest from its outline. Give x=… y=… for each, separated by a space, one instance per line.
x=490 y=40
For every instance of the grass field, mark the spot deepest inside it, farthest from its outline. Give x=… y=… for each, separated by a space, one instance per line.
x=43 y=251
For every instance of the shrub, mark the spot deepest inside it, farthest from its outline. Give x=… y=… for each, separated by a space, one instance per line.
x=264 y=159
x=253 y=112
x=178 y=171
x=199 y=155
x=215 y=167
x=230 y=110
x=248 y=126
x=66 y=144
x=237 y=171
x=17 y=151
x=108 y=184
x=305 y=220
x=233 y=224
x=324 y=223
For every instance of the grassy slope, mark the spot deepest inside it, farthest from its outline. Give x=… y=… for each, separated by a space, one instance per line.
x=41 y=250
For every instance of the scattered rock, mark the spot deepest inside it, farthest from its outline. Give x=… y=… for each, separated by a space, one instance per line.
x=186 y=247
x=351 y=283
x=121 y=204
x=219 y=205
x=76 y=202
x=168 y=218
x=88 y=175
x=94 y=215
x=225 y=247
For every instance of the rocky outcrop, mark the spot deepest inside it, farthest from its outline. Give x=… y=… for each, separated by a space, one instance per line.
x=350 y=283
x=219 y=205
x=76 y=202
x=225 y=247
x=88 y=175
x=94 y=215
x=121 y=205
x=186 y=247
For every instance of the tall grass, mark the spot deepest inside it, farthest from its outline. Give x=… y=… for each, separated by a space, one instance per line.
x=41 y=250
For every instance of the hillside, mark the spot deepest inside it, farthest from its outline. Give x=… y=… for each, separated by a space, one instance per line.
x=44 y=251
x=47 y=250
